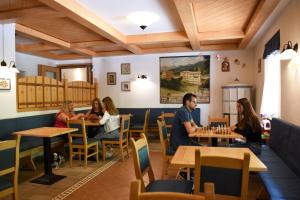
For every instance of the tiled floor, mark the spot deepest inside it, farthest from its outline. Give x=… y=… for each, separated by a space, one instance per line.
x=113 y=183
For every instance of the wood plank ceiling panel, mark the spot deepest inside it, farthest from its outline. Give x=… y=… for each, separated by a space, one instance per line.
x=212 y=15
x=230 y=41
x=62 y=28
x=165 y=45
x=6 y=5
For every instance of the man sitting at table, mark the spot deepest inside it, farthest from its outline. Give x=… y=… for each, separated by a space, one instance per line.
x=183 y=123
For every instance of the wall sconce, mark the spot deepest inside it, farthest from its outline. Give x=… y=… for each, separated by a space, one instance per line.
x=12 y=65
x=142 y=76
x=289 y=51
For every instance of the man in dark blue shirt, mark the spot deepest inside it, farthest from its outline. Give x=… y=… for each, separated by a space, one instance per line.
x=183 y=123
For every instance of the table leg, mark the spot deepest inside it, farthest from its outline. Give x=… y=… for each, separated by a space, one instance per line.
x=48 y=178
x=214 y=142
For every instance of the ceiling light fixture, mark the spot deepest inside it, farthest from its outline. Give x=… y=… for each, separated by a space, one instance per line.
x=289 y=51
x=143 y=18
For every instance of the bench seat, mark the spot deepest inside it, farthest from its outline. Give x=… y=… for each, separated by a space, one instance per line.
x=282 y=157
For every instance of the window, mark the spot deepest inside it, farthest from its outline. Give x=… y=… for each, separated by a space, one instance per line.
x=270 y=106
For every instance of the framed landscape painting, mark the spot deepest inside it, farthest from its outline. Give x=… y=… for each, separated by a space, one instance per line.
x=182 y=74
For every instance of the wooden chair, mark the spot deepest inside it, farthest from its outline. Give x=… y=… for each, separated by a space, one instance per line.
x=168 y=118
x=136 y=193
x=229 y=175
x=165 y=143
x=136 y=129
x=9 y=154
x=122 y=141
x=142 y=166
x=215 y=121
x=81 y=142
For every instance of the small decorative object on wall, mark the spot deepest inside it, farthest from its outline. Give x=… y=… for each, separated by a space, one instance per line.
x=111 y=78
x=259 y=65
x=225 y=65
x=125 y=86
x=125 y=68
x=182 y=74
x=4 y=84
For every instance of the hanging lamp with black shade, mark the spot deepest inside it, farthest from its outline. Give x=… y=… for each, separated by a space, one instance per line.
x=3 y=63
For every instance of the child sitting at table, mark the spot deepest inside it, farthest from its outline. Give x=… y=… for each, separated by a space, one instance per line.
x=95 y=114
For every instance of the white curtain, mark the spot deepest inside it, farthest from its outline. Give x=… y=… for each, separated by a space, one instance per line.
x=271 y=98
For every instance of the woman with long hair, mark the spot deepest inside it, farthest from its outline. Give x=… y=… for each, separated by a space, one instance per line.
x=65 y=113
x=111 y=122
x=248 y=125
x=95 y=114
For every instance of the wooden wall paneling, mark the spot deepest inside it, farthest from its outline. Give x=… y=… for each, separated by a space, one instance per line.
x=21 y=93
x=47 y=92
x=39 y=92
x=31 y=92
x=54 y=93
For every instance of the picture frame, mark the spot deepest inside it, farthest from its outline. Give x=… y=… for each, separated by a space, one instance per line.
x=125 y=86
x=111 y=78
x=182 y=74
x=259 y=65
x=125 y=68
x=225 y=66
x=5 y=84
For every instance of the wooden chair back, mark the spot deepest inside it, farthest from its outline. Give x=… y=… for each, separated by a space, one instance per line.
x=9 y=152
x=80 y=124
x=163 y=136
x=168 y=118
x=215 y=121
x=136 y=193
x=146 y=121
x=229 y=175
x=141 y=159
x=124 y=127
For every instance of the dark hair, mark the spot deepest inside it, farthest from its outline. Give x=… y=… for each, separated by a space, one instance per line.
x=187 y=97
x=99 y=104
x=248 y=116
x=110 y=106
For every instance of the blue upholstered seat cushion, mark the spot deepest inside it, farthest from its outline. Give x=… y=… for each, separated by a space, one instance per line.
x=137 y=127
x=278 y=170
x=80 y=141
x=182 y=186
x=4 y=183
x=267 y=155
x=114 y=139
x=282 y=188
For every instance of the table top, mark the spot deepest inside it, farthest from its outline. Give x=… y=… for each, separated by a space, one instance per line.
x=45 y=132
x=214 y=134
x=185 y=156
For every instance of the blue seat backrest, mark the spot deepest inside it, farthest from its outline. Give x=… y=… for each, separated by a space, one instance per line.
x=284 y=140
x=8 y=158
x=139 y=114
x=8 y=126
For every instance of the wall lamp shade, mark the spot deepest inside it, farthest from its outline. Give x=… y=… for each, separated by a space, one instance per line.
x=12 y=65
x=289 y=51
x=142 y=18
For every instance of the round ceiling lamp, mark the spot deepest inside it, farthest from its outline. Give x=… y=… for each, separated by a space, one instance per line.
x=143 y=18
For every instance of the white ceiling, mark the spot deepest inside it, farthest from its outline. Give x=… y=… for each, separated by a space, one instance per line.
x=114 y=12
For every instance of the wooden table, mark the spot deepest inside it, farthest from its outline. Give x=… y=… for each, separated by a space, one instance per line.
x=200 y=133
x=46 y=133
x=97 y=123
x=185 y=156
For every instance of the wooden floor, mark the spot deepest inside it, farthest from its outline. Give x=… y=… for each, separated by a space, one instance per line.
x=112 y=183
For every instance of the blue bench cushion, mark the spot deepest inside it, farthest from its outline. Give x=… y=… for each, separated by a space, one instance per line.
x=182 y=186
x=282 y=188
x=4 y=183
x=80 y=141
x=268 y=156
x=139 y=114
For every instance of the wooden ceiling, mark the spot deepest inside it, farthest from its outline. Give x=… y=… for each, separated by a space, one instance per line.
x=64 y=29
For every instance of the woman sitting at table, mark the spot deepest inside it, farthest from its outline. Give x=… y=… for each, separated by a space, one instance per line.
x=248 y=125
x=95 y=114
x=66 y=113
x=111 y=122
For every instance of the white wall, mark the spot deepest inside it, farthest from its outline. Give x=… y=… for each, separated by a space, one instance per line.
x=147 y=93
x=289 y=26
x=28 y=64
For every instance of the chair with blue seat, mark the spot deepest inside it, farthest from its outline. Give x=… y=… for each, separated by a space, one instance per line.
x=122 y=141
x=229 y=175
x=136 y=193
x=136 y=129
x=80 y=142
x=165 y=143
x=142 y=166
x=9 y=155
